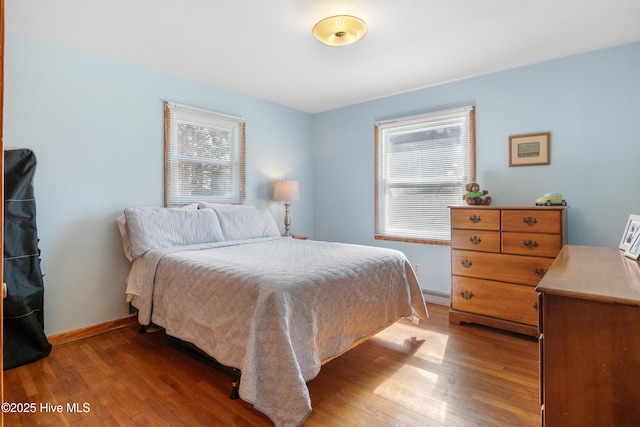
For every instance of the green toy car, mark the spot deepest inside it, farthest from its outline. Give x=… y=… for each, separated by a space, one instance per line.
x=550 y=199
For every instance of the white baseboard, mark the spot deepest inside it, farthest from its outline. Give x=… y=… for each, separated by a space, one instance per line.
x=435 y=297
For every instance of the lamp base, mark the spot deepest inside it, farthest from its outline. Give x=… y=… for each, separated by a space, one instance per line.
x=287 y=220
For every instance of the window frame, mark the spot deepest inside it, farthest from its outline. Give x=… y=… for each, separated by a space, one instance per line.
x=381 y=128
x=174 y=114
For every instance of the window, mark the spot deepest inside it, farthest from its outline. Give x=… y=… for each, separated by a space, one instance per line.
x=422 y=166
x=204 y=156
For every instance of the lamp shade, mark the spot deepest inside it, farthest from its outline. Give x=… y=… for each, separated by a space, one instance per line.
x=286 y=191
x=340 y=30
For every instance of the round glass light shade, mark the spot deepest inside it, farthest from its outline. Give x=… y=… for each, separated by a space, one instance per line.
x=340 y=30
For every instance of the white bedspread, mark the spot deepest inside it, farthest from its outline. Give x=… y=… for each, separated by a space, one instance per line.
x=275 y=308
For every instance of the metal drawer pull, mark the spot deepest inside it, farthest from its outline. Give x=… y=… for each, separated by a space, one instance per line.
x=530 y=244
x=466 y=294
x=475 y=240
x=466 y=263
x=540 y=272
x=475 y=219
x=535 y=306
x=530 y=221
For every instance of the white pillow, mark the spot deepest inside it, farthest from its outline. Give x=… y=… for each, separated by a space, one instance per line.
x=237 y=224
x=155 y=228
x=122 y=226
x=126 y=242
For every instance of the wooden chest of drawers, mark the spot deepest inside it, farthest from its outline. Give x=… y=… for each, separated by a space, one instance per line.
x=589 y=341
x=498 y=256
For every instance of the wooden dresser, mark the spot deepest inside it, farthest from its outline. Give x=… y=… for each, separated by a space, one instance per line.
x=498 y=256
x=590 y=339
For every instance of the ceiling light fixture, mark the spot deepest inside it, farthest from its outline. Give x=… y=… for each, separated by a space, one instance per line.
x=340 y=30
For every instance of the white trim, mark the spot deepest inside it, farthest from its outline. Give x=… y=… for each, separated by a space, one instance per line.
x=209 y=113
x=425 y=115
x=439 y=298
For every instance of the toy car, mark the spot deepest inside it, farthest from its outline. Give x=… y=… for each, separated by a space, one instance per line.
x=550 y=199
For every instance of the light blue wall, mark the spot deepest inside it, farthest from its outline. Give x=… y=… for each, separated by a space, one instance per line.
x=591 y=105
x=96 y=127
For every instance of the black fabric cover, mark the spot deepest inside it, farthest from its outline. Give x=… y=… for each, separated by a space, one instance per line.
x=24 y=337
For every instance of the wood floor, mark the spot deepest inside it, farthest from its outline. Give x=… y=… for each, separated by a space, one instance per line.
x=432 y=374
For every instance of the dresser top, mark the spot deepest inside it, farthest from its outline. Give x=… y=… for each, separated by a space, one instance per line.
x=593 y=273
x=509 y=207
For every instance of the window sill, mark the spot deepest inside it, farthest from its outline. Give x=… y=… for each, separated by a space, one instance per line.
x=414 y=240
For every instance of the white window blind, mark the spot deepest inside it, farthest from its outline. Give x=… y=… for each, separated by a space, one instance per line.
x=204 y=156
x=422 y=166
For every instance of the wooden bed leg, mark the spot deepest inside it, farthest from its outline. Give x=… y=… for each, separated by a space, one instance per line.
x=142 y=330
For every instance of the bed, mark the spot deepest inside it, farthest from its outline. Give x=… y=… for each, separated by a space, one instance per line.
x=223 y=279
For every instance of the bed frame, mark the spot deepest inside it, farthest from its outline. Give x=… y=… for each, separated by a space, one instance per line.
x=233 y=373
x=193 y=351
x=199 y=355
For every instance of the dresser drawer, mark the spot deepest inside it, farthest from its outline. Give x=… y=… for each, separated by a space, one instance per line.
x=545 y=245
x=475 y=240
x=495 y=299
x=533 y=221
x=523 y=270
x=475 y=219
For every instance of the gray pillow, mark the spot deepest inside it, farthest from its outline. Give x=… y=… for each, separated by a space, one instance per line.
x=156 y=228
x=238 y=224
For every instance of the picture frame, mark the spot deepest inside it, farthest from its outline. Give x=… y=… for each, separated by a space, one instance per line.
x=530 y=149
x=631 y=232
x=633 y=251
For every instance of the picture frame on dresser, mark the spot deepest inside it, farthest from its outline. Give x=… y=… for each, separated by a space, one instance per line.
x=630 y=232
x=634 y=249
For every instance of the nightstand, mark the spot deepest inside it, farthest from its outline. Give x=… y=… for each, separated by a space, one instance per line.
x=300 y=237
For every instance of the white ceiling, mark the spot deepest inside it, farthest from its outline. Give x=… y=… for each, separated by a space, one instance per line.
x=264 y=48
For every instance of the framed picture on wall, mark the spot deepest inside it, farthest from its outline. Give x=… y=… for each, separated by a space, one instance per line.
x=631 y=231
x=530 y=149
